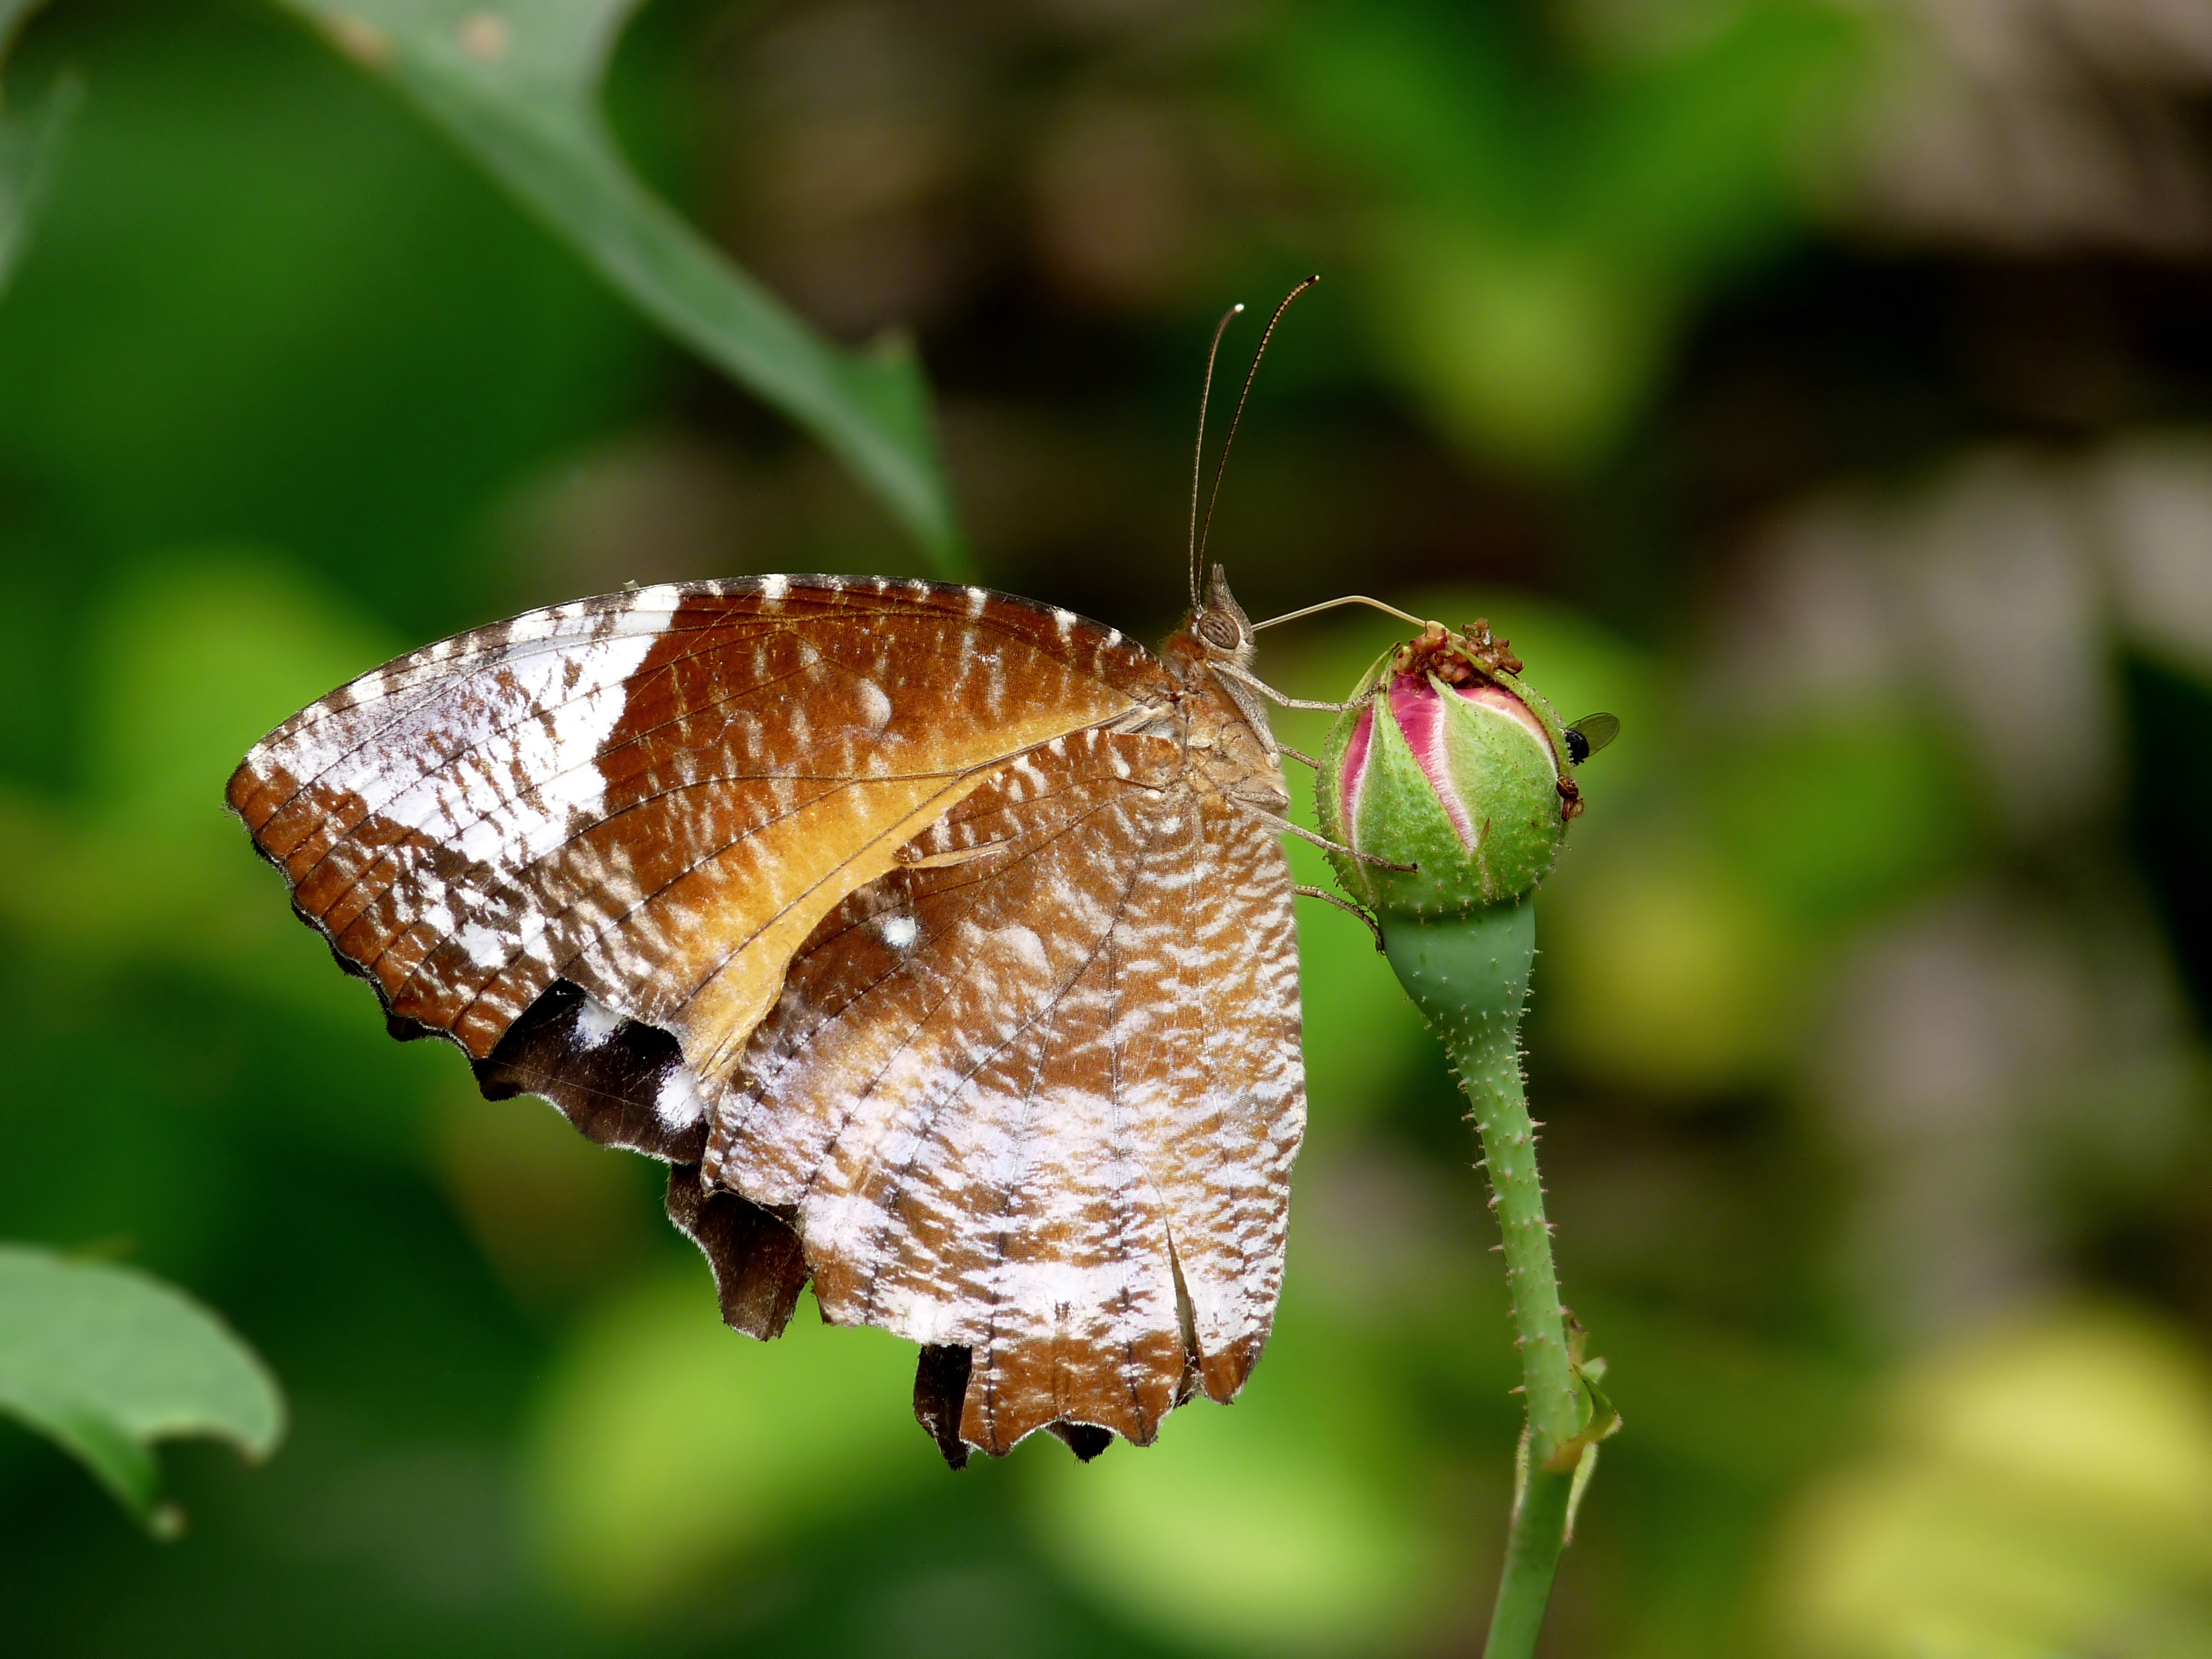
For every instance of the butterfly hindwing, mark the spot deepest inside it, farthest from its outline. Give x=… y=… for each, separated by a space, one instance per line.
x=1041 y=1103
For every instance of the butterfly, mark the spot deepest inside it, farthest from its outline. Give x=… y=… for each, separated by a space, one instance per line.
x=940 y=941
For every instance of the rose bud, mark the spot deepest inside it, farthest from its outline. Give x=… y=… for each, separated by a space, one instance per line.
x=1445 y=761
x=1450 y=763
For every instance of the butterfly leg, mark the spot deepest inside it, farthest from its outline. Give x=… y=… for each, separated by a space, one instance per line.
x=1299 y=755
x=1278 y=698
x=1326 y=897
x=1284 y=826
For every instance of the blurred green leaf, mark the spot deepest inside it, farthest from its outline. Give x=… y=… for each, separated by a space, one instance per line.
x=1539 y=213
x=107 y=1361
x=1664 y=970
x=516 y=88
x=194 y=656
x=1292 y=1522
x=670 y=1444
x=2045 y=1487
x=31 y=142
x=1841 y=810
x=197 y=654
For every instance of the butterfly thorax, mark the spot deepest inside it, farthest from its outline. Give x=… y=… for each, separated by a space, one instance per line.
x=1224 y=720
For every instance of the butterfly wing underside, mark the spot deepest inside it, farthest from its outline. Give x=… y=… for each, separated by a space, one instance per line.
x=1064 y=1148
x=624 y=852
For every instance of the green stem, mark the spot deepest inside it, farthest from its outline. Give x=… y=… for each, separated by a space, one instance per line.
x=1469 y=976
x=1532 y=1555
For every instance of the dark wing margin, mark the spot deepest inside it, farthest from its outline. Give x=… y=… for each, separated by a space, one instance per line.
x=624 y=1084
x=940 y=1383
x=760 y=1266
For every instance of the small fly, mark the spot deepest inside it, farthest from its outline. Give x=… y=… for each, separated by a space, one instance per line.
x=1589 y=734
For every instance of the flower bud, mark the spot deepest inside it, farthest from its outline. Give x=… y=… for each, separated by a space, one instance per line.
x=1449 y=763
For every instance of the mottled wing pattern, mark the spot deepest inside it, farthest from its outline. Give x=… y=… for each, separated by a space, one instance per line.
x=1036 y=1097
x=927 y=932
x=654 y=795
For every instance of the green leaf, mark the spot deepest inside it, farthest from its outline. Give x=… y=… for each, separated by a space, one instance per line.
x=516 y=86
x=105 y=1361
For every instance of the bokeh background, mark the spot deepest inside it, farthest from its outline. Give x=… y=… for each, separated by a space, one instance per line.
x=1824 y=388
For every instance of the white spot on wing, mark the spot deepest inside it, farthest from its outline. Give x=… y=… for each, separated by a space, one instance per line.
x=775 y=587
x=1023 y=946
x=677 y=1104
x=596 y=1022
x=486 y=948
x=875 y=707
x=900 y=931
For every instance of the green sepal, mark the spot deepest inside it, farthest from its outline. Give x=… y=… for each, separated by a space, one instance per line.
x=1469 y=978
x=1510 y=783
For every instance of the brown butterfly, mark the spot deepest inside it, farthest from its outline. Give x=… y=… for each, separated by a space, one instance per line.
x=939 y=939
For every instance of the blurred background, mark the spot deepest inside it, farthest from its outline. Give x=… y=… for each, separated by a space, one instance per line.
x=1824 y=388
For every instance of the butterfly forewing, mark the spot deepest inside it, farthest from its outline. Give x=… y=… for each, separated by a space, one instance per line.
x=654 y=795
x=931 y=926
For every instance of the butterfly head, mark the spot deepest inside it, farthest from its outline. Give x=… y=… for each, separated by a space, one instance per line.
x=1220 y=626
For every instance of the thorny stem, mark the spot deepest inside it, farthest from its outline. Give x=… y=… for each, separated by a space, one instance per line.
x=1469 y=975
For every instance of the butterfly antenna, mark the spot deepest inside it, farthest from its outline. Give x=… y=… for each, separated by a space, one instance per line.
x=1198 y=459
x=1198 y=553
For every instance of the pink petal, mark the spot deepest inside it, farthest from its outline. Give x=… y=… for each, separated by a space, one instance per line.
x=1354 y=776
x=1420 y=715
x=1497 y=697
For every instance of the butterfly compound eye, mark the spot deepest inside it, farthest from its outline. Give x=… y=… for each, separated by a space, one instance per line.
x=1220 y=631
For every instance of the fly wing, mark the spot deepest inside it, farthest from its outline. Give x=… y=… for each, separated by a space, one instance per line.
x=1031 y=1099
x=654 y=797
